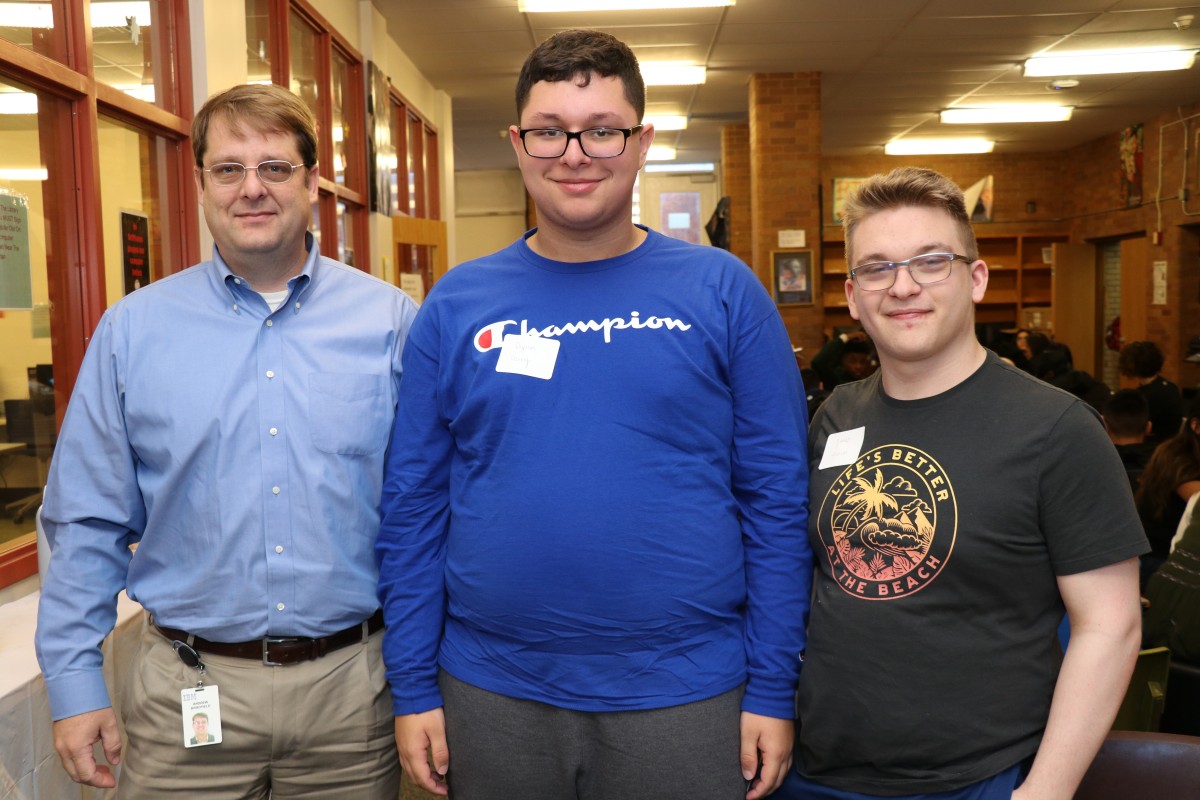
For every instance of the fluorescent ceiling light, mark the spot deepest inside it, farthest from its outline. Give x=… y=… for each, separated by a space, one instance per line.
x=661 y=152
x=116 y=15
x=1106 y=62
x=18 y=103
x=104 y=15
x=703 y=166
x=672 y=73
x=558 y=6
x=928 y=147
x=666 y=122
x=37 y=174
x=27 y=15
x=1011 y=113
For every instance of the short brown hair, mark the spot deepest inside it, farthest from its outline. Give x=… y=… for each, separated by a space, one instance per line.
x=908 y=186
x=266 y=108
x=576 y=54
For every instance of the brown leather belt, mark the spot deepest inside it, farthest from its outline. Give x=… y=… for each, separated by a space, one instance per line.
x=276 y=651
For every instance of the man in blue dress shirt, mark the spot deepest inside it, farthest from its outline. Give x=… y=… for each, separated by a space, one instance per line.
x=231 y=422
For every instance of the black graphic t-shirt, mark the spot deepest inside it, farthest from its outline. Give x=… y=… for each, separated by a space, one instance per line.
x=932 y=650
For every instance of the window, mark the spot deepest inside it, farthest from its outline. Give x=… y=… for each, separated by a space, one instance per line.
x=323 y=70
x=103 y=106
x=414 y=180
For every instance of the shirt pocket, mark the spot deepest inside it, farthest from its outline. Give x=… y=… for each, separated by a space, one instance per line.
x=349 y=414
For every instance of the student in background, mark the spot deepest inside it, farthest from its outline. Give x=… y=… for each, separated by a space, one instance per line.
x=1127 y=419
x=1143 y=362
x=1170 y=479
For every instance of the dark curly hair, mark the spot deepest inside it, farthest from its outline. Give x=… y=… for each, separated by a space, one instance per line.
x=1140 y=360
x=575 y=55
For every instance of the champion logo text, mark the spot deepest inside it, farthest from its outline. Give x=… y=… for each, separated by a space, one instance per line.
x=491 y=337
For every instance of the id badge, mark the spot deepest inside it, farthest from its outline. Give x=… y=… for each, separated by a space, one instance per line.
x=201 y=716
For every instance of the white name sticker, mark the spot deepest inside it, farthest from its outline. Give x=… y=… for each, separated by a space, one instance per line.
x=842 y=448
x=528 y=355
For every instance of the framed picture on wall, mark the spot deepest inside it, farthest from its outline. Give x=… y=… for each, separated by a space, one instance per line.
x=792 y=277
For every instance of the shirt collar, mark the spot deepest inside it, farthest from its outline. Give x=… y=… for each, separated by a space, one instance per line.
x=297 y=284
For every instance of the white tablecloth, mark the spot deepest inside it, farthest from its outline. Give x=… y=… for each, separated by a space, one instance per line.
x=29 y=767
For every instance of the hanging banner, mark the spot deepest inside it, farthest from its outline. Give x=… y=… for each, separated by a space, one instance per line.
x=16 y=283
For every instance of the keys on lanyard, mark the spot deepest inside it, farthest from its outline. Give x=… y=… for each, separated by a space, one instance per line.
x=188 y=655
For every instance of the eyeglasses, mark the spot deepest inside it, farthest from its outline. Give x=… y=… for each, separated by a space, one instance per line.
x=595 y=142
x=924 y=269
x=232 y=173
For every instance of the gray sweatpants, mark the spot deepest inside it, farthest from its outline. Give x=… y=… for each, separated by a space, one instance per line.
x=502 y=748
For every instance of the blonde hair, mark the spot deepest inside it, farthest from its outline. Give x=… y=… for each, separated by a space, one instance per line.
x=908 y=186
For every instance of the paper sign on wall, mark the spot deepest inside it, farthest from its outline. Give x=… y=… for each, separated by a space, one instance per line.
x=791 y=239
x=1159 y=282
x=16 y=283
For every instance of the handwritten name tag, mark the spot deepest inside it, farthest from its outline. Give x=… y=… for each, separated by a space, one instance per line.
x=842 y=448
x=528 y=355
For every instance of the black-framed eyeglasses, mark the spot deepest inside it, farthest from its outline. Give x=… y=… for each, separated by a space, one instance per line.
x=595 y=142
x=231 y=173
x=924 y=269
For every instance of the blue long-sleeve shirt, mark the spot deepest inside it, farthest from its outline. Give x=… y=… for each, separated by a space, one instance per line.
x=628 y=532
x=242 y=450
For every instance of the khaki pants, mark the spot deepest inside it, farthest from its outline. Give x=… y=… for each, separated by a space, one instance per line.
x=318 y=730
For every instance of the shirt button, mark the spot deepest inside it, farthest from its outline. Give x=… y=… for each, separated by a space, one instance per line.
x=274 y=490
x=278 y=548
x=270 y=323
x=297 y=305
x=235 y=306
x=274 y=431
x=238 y=281
x=270 y=373
x=279 y=606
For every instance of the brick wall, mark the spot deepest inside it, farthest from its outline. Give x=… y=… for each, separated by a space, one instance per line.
x=785 y=173
x=735 y=184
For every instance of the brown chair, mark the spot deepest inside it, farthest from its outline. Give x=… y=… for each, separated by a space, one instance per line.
x=1138 y=764
x=1142 y=707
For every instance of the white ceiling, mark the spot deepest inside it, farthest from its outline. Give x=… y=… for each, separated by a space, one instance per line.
x=888 y=66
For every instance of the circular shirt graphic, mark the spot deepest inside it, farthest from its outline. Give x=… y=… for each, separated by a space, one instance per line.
x=888 y=523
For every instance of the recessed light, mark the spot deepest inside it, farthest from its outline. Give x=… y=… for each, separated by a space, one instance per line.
x=1059 y=84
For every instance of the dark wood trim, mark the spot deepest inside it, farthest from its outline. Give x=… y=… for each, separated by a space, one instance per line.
x=19 y=562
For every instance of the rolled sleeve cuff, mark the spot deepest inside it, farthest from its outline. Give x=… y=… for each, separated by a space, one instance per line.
x=76 y=694
x=770 y=699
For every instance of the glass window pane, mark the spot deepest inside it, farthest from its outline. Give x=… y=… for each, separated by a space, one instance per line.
x=345 y=226
x=125 y=51
x=133 y=168
x=416 y=167
x=27 y=175
x=342 y=127
x=400 y=171
x=433 y=193
x=258 y=44
x=303 y=41
x=315 y=227
x=31 y=24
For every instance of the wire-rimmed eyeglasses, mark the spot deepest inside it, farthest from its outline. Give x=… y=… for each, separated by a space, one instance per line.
x=231 y=173
x=595 y=142
x=924 y=269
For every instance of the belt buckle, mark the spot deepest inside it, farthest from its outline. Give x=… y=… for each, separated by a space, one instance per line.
x=266 y=645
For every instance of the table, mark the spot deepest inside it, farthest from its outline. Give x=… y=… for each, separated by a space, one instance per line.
x=29 y=767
